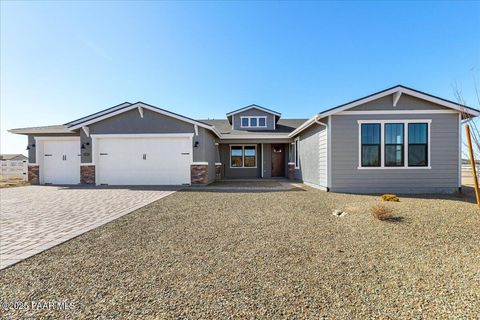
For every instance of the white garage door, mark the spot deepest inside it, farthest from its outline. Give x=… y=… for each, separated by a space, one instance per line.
x=144 y=160
x=61 y=162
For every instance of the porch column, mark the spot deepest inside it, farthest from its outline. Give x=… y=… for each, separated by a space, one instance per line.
x=218 y=171
x=291 y=170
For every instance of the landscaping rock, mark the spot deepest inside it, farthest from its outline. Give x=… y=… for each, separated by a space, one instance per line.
x=268 y=255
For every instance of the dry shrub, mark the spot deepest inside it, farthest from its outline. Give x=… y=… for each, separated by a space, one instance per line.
x=382 y=213
x=390 y=197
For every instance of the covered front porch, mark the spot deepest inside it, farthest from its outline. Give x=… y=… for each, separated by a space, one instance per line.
x=247 y=160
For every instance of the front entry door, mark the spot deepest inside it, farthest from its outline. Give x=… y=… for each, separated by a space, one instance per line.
x=278 y=160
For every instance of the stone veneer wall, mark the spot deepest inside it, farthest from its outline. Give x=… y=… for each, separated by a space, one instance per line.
x=87 y=174
x=199 y=173
x=34 y=174
x=218 y=171
x=291 y=171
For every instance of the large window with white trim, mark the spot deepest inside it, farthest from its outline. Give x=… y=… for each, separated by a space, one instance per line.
x=243 y=156
x=370 y=145
x=418 y=144
x=394 y=151
x=390 y=144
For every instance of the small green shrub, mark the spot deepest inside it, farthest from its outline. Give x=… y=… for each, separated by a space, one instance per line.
x=390 y=197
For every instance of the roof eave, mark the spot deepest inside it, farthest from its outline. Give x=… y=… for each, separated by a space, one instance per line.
x=37 y=131
x=253 y=106
x=151 y=108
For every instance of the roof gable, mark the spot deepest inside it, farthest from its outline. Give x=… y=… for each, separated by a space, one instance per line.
x=98 y=114
x=397 y=91
x=254 y=106
x=96 y=117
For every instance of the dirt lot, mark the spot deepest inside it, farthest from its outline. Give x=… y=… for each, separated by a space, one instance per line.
x=10 y=183
x=200 y=254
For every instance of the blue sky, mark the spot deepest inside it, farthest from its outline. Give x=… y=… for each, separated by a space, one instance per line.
x=64 y=60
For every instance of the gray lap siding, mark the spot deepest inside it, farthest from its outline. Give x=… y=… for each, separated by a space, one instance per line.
x=313 y=156
x=442 y=177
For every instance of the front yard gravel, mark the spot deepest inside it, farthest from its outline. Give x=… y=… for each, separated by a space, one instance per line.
x=199 y=254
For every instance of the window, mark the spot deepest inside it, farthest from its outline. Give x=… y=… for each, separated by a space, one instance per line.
x=245 y=122
x=371 y=145
x=253 y=122
x=250 y=155
x=243 y=156
x=236 y=156
x=262 y=122
x=394 y=145
x=296 y=153
x=417 y=144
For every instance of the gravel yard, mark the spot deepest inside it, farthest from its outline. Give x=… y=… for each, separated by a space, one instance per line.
x=199 y=254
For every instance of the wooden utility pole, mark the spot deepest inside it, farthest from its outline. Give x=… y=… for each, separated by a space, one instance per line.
x=472 y=162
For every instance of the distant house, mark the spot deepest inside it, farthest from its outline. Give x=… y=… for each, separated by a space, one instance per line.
x=397 y=140
x=13 y=166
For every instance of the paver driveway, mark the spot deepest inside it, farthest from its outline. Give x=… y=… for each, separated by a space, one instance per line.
x=35 y=218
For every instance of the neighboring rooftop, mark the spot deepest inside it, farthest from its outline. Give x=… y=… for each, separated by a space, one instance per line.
x=16 y=156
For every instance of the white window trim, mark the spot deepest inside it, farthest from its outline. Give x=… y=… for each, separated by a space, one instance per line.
x=405 y=144
x=249 y=121
x=243 y=156
x=296 y=142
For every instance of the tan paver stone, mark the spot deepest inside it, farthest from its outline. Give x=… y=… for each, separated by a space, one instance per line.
x=36 y=218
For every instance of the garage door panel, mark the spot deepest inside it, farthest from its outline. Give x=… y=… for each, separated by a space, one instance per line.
x=144 y=161
x=61 y=162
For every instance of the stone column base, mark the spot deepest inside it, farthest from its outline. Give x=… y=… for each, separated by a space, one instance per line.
x=87 y=174
x=291 y=171
x=218 y=171
x=34 y=174
x=199 y=173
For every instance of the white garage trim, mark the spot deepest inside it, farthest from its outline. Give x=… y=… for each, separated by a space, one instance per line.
x=57 y=138
x=40 y=154
x=143 y=135
x=39 y=139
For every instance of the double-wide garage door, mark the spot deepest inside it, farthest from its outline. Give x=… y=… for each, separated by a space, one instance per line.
x=143 y=160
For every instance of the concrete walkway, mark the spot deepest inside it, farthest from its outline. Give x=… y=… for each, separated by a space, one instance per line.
x=251 y=185
x=36 y=218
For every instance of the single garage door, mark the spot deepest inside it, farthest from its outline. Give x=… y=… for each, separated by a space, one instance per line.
x=61 y=161
x=144 y=160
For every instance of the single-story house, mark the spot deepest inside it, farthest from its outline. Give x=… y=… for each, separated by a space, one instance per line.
x=396 y=140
